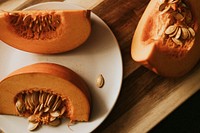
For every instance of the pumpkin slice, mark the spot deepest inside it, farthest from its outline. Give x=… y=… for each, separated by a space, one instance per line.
x=45 y=93
x=166 y=39
x=45 y=31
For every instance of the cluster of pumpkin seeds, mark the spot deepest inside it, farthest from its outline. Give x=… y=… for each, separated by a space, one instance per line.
x=41 y=108
x=181 y=30
x=34 y=26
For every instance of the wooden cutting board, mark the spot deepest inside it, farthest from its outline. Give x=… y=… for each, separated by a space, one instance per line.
x=145 y=97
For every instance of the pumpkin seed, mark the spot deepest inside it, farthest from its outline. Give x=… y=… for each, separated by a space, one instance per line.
x=27 y=101
x=52 y=118
x=56 y=122
x=43 y=98
x=46 y=101
x=179 y=16
x=189 y=34
x=178 y=34
x=36 y=109
x=32 y=118
x=57 y=105
x=188 y=17
x=173 y=1
x=191 y=31
x=19 y=20
x=167 y=8
x=162 y=6
x=171 y=29
x=32 y=126
x=35 y=98
x=184 y=5
x=55 y=113
x=64 y=108
x=57 y=99
x=162 y=1
x=178 y=42
x=13 y=14
x=30 y=100
x=41 y=107
x=36 y=20
x=174 y=34
x=30 y=25
x=184 y=34
x=100 y=81
x=51 y=100
x=27 y=19
x=46 y=109
x=20 y=106
x=40 y=29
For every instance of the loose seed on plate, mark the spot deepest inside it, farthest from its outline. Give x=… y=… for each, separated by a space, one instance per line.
x=100 y=81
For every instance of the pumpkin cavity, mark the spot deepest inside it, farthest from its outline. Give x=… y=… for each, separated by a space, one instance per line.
x=41 y=107
x=35 y=26
x=181 y=30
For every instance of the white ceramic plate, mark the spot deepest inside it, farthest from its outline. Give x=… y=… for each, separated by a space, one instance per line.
x=99 y=55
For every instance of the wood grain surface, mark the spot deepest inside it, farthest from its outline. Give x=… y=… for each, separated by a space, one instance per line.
x=145 y=98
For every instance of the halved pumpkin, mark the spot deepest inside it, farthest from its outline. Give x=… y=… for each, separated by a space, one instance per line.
x=47 y=92
x=45 y=31
x=166 y=39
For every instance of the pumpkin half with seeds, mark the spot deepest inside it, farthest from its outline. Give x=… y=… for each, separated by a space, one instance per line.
x=167 y=37
x=45 y=93
x=45 y=31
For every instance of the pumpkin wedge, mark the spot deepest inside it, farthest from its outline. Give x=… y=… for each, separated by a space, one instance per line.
x=45 y=93
x=166 y=39
x=45 y=31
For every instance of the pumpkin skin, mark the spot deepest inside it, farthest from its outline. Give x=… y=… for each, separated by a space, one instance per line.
x=151 y=50
x=47 y=77
x=60 y=31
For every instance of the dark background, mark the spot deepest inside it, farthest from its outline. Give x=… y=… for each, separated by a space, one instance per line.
x=185 y=119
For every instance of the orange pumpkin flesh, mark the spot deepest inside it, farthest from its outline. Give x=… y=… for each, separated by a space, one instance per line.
x=51 y=78
x=156 y=50
x=45 y=31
